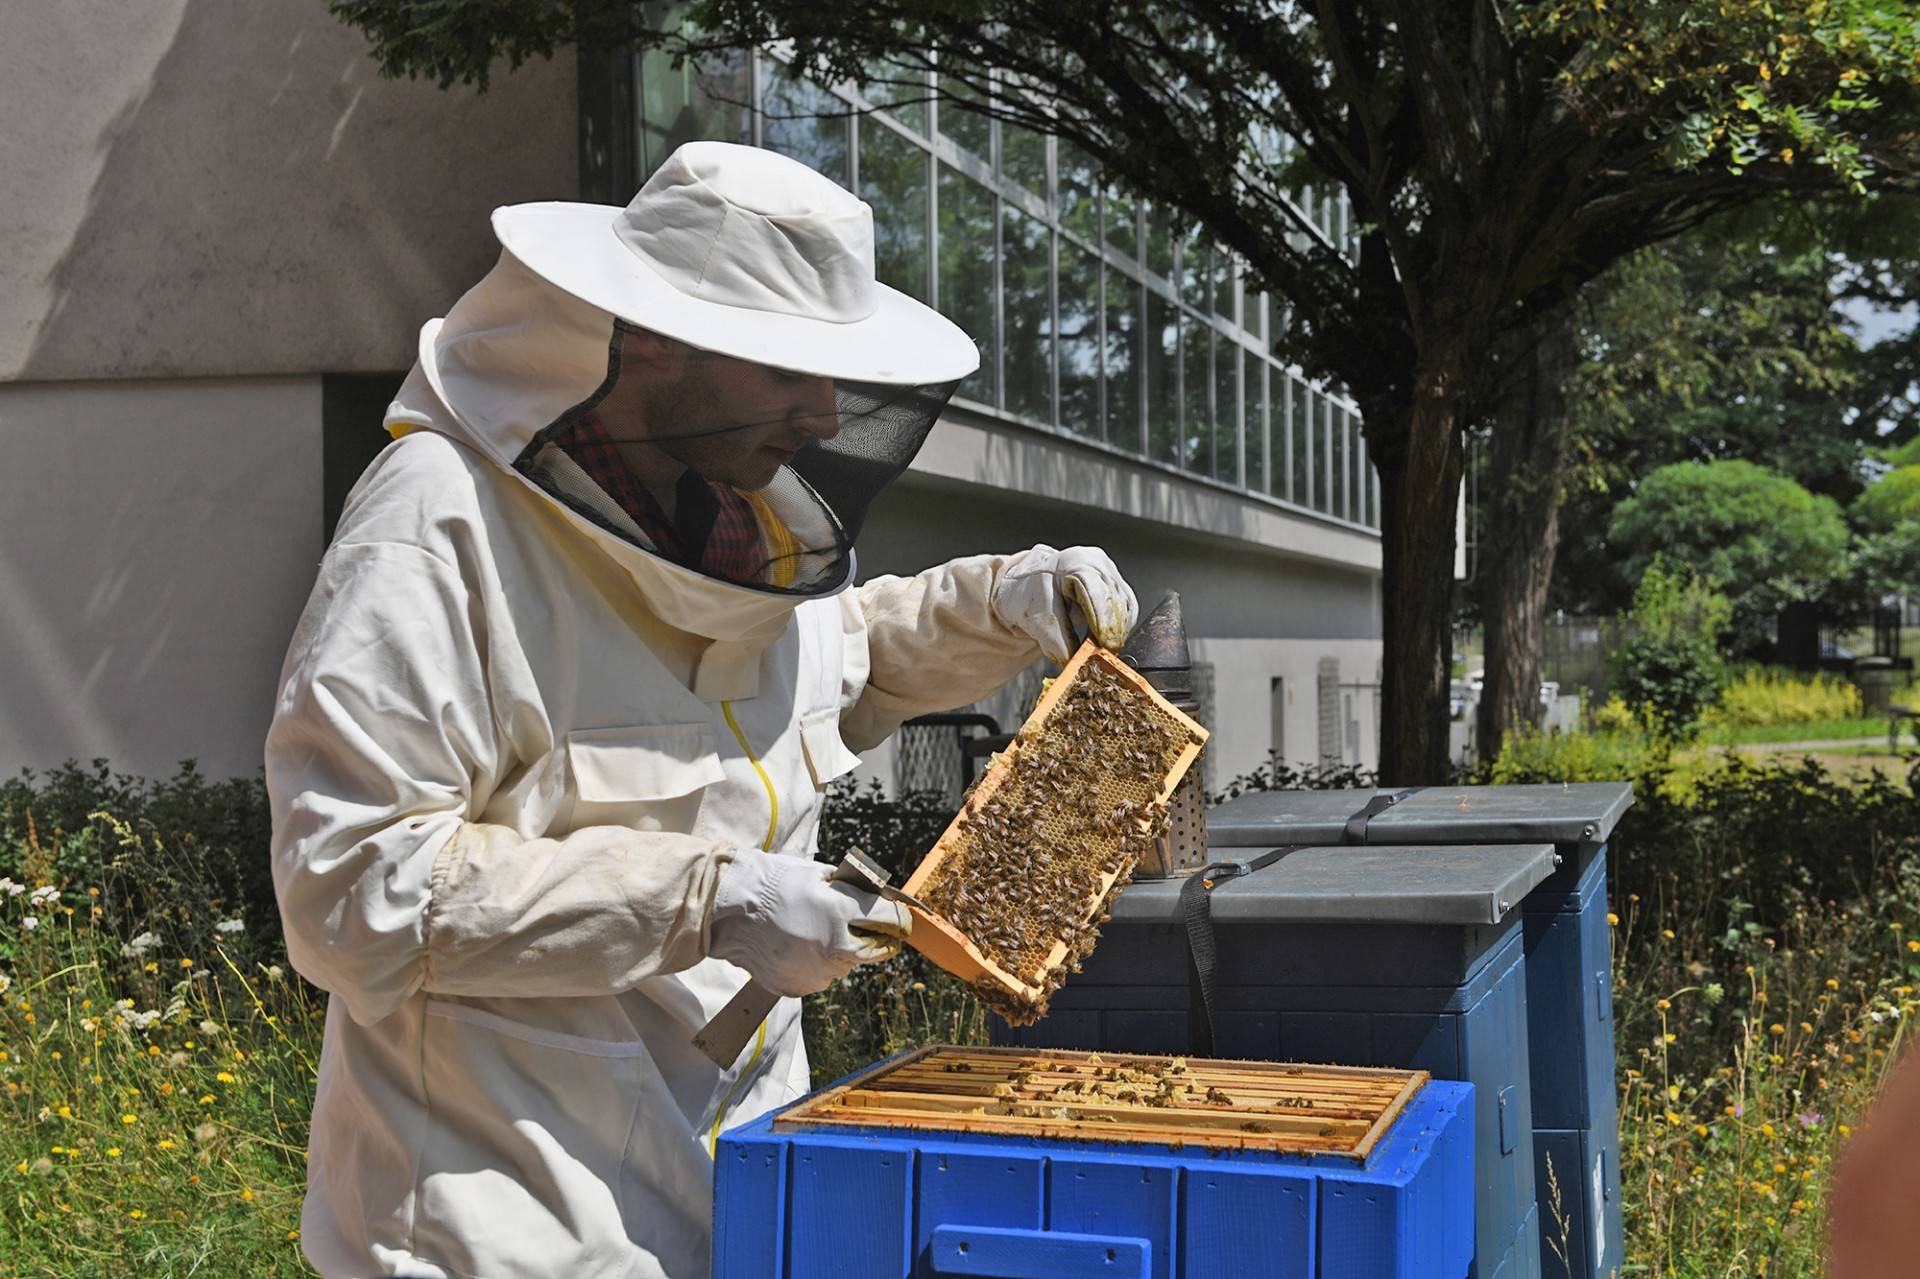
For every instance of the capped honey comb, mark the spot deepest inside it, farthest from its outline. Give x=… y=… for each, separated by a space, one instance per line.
x=1019 y=883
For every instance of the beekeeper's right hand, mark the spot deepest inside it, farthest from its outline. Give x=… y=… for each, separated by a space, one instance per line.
x=798 y=932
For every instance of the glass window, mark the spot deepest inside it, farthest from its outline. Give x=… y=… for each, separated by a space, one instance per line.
x=1362 y=472
x=1323 y=471
x=966 y=271
x=693 y=102
x=970 y=130
x=1163 y=378
x=1075 y=196
x=1196 y=381
x=1159 y=246
x=1305 y=411
x=1123 y=361
x=1192 y=268
x=1023 y=158
x=1226 y=408
x=893 y=179
x=1080 y=342
x=802 y=120
x=1337 y=459
x=1027 y=313
x=1253 y=308
x=1253 y=391
x=1122 y=220
x=1222 y=288
x=893 y=86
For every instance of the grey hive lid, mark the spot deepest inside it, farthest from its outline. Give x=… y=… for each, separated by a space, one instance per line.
x=1445 y=884
x=1555 y=812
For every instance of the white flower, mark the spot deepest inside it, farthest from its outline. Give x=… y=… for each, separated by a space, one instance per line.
x=231 y=926
x=209 y=1028
x=145 y=1018
x=45 y=895
x=5 y=983
x=29 y=923
x=276 y=972
x=123 y=1005
x=1875 y=1016
x=139 y=946
x=12 y=889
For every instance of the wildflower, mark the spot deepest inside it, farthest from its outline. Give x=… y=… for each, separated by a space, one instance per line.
x=136 y=1214
x=1846 y=1130
x=1674 y=1119
x=129 y=1119
x=29 y=922
x=1806 y=1028
x=1832 y=984
x=276 y=972
x=186 y=963
x=12 y=889
x=1662 y=1004
x=139 y=946
x=1809 y=1118
x=56 y=1054
x=1667 y=1039
x=224 y=1077
x=66 y=1112
x=206 y=1099
x=293 y=1236
x=45 y=895
x=113 y=1152
x=1731 y=1111
x=206 y=1131
x=1776 y=1029
x=1700 y=1130
x=165 y=1143
x=1613 y=919
x=145 y=1018
x=246 y=1194
x=1667 y=933
x=209 y=1029
x=1767 y=1129
x=21 y=1167
x=59 y=1150
x=5 y=982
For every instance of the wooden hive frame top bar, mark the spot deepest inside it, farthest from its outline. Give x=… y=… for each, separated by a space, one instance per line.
x=1338 y=1111
x=946 y=945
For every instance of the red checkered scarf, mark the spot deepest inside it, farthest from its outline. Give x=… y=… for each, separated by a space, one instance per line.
x=714 y=529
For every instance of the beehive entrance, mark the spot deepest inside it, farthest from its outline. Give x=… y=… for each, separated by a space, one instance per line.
x=1111 y=1097
x=1019 y=882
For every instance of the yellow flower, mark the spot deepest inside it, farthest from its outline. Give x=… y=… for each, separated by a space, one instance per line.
x=1667 y=933
x=153 y=1050
x=66 y=1112
x=1674 y=1119
x=166 y=1090
x=1730 y=1110
x=1913 y=945
x=246 y=1194
x=1776 y=1029
x=1699 y=1130
x=59 y=1150
x=1667 y=1039
x=1779 y=1168
x=1846 y=1130
x=293 y=1236
x=113 y=1152
x=1767 y=1129
x=129 y=1119
x=186 y=963
x=206 y=1099
x=1613 y=919
x=20 y=1167
x=165 y=1143
x=1806 y=1028
x=224 y=1077
x=152 y=967
x=136 y=1214
x=1662 y=1004
x=56 y=1054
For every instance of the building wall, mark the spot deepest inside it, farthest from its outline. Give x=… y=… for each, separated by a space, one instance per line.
x=161 y=537
x=228 y=187
x=220 y=232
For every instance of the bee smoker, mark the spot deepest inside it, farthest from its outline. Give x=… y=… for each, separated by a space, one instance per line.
x=1157 y=648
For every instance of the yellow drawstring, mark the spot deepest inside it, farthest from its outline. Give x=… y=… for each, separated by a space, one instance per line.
x=766 y=845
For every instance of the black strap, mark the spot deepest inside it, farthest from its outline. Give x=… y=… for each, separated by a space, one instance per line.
x=1356 y=832
x=1196 y=911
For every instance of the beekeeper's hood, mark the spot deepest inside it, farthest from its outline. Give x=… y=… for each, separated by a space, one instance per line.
x=710 y=381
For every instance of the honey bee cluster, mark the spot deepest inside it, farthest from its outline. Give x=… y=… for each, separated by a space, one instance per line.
x=1036 y=861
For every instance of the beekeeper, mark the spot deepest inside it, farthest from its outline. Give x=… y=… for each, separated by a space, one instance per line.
x=549 y=746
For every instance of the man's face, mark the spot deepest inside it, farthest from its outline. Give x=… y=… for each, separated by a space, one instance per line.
x=728 y=420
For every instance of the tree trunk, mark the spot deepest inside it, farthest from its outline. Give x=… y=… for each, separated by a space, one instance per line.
x=1519 y=501
x=1420 y=469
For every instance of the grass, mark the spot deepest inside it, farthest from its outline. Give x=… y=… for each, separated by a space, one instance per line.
x=156 y=1070
x=1810 y=731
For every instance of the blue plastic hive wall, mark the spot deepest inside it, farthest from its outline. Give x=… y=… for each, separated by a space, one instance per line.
x=1449 y=999
x=865 y=1204
x=1570 y=1024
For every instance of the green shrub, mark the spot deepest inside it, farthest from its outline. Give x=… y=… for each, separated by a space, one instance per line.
x=1669 y=670
x=1762 y=696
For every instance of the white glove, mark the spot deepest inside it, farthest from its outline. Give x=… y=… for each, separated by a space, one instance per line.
x=782 y=920
x=1050 y=595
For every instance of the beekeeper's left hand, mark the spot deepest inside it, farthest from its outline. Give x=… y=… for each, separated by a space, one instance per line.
x=1055 y=596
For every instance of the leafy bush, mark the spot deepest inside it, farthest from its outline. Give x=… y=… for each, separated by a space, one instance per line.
x=1669 y=670
x=1760 y=696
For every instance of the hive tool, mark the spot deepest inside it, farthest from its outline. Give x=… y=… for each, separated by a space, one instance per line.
x=723 y=1038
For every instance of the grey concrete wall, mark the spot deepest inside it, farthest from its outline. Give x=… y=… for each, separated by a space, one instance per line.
x=228 y=187
x=160 y=540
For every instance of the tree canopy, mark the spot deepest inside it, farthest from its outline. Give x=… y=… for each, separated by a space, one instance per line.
x=1753 y=535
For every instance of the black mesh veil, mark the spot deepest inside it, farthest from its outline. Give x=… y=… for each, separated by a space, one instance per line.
x=743 y=472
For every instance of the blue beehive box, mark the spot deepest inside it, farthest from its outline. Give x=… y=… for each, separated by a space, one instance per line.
x=1569 y=975
x=829 y=1189
x=1408 y=957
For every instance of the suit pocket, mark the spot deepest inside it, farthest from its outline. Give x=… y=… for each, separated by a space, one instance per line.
x=648 y=776
x=827 y=755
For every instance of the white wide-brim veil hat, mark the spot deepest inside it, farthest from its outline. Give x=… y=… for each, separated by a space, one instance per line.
x=746 y=253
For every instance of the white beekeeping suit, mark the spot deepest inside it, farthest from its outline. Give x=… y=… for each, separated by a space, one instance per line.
x=550 y=740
